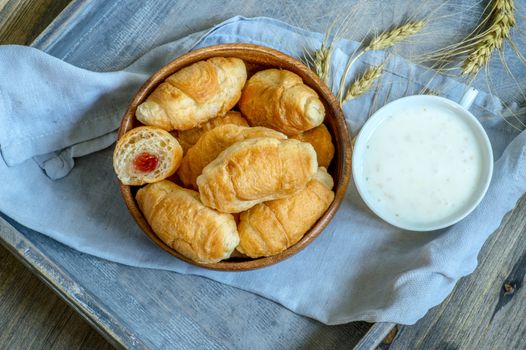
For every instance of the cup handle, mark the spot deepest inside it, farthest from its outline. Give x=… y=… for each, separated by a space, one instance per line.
x=468 y=98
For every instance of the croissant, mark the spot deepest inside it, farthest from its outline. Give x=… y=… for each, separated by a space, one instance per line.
x=271 y=227
x=214 y=142
x=278 y=99
x=181 y=221
x=321 y=140
x=146 y=154
x=256 y=170
x=188 y=138
x=194 y=94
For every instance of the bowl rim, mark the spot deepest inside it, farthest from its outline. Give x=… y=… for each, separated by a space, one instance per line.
x=266 y=54
x=380 y=116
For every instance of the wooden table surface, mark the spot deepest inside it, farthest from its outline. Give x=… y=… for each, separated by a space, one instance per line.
x=486 y=310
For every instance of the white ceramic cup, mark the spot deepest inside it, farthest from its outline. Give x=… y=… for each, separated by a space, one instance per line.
x=391 y=108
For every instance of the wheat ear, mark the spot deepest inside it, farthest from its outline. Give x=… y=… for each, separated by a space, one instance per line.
x=321 y=62
x=363 y=83
x=501 y=20
x=381 y=42
x=388 y=39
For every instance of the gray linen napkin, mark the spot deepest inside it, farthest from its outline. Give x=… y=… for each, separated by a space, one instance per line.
x=360 y=268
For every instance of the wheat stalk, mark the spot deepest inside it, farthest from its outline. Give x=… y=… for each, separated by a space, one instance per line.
x=381 y=42
x=501 y=19
x=363 y=83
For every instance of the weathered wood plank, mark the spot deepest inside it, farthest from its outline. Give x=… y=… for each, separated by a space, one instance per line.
x=487 y=309
x=33 y=317
x=22 y=20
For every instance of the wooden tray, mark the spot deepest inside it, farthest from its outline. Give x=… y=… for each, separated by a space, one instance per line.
x=141 y=308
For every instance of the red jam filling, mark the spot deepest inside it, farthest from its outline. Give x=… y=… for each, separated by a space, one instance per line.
x=145 y=162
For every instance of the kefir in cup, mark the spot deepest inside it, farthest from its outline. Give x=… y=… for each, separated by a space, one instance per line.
x=422 y=162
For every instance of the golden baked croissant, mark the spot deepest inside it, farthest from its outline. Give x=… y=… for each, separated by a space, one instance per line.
x=188 y=138
x=271 y=227
x=146 y=154
x=181 y=221
x=256 y=170
x=321 y=140
x=194 y=94
x=214 y=142
x=278 y=99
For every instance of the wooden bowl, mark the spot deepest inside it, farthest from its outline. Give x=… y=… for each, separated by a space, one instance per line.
x=256 y=58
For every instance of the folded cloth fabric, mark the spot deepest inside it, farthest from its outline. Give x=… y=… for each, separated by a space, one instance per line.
x=81 y=107
x=360 y=268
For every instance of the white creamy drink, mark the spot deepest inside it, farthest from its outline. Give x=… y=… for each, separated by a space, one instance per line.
x=422 y=165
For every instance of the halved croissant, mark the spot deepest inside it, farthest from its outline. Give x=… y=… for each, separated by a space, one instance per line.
x=271 y=227
x=146 y=154
x=188 y=138
x=194 y=94
x=279 y=99
x=181 y=221
x=256 y=170
x=321 y=140
x=214 y=142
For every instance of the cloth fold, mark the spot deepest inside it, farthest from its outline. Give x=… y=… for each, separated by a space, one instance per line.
x=49 y=104
x=359 y=268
